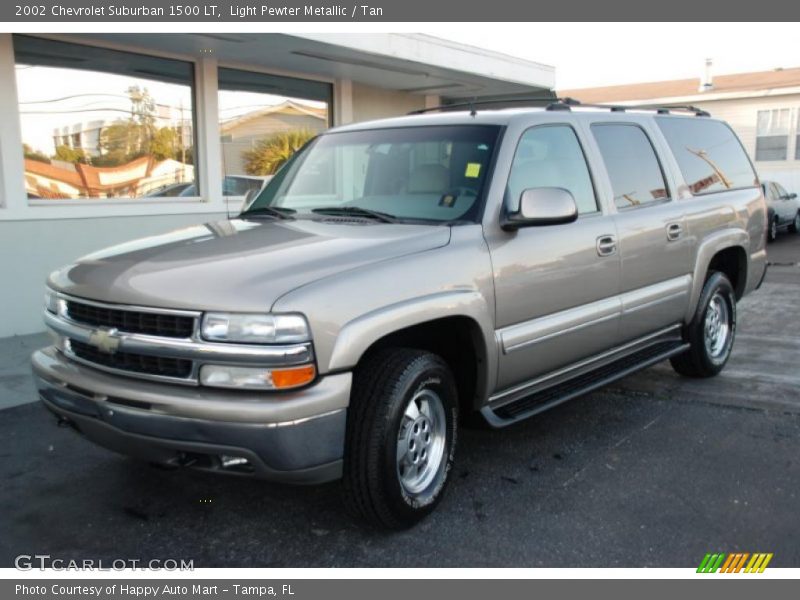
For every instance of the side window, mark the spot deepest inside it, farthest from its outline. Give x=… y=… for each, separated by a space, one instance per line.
x=709 y=155
x=632 y=165
x=551 y=156
x=773 y=192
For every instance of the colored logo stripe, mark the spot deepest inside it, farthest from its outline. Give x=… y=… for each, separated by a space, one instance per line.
x=734 y=563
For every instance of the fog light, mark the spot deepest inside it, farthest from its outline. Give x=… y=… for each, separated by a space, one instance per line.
x=256 y=378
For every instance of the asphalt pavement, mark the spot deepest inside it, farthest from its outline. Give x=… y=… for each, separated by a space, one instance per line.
x=655 y=470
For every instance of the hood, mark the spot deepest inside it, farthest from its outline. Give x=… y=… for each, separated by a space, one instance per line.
x=237 y=265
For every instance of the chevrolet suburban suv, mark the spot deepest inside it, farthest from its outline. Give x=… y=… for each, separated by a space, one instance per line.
x=398 y=278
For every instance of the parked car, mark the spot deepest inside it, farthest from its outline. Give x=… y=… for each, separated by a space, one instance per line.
x=234 y=185
x=169 y=191
x=398 y=278
x=784 y=209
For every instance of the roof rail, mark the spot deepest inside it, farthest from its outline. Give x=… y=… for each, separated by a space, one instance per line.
x=548 y=101
x=566 y=103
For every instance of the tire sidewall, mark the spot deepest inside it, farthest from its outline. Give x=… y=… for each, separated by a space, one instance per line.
x=717 y=283
x=430 y=373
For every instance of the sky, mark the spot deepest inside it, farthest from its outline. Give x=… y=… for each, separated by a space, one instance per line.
x=597 y=54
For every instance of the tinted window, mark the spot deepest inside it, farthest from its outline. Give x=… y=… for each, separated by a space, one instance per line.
x=552 y=157
x=709 y=155
x=632 y=166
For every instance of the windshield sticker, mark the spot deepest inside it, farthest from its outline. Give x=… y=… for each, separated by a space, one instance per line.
x=473 y=170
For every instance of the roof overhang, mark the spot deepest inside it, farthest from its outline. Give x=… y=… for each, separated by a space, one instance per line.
x=412 y=63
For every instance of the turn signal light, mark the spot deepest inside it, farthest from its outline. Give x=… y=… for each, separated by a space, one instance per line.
x=295 y=377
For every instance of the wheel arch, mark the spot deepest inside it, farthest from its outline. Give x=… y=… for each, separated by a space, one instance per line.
x=454 y=325
x=725 y=251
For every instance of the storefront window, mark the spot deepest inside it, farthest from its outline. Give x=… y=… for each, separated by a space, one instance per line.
x=263 y=120
x=101 y=124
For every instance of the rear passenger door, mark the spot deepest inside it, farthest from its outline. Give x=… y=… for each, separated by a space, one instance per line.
x=654 y=249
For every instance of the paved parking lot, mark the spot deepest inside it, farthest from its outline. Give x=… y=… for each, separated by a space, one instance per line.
x=656 y=470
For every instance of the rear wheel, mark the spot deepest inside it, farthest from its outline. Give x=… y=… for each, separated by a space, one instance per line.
x=711 y=332
x=401 y=437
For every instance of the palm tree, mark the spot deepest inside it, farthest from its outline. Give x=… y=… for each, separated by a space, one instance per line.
x=269 y=154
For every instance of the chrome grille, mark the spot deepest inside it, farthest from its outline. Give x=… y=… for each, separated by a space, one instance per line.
x=131 y=321
x=136 y=363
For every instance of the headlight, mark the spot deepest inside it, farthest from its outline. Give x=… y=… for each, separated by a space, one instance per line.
x=51 y=301
x=256 y=378
x=255 y=328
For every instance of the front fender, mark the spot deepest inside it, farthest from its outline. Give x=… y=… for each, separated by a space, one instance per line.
x=356 y=337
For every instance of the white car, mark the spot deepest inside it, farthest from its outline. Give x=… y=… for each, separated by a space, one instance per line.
x=784 y=209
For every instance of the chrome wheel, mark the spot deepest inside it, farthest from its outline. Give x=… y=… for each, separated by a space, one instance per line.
x=421 y=441
x=773 y=229
x=797 y=223
x=717 y=327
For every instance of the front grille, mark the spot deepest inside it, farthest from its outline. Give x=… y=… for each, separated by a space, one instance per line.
x=164 y=325
x=136 y=363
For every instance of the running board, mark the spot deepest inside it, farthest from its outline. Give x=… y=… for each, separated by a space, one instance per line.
x=501 y=416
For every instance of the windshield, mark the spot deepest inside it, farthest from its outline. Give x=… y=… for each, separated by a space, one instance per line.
x=434 y=173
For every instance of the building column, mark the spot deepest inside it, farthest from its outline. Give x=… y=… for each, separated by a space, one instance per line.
x=433 y=101
x=12 y=163
x=342 y=102
x=208 y=154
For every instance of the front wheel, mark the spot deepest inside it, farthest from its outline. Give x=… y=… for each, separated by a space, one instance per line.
x=401 y=437
x=772 y=232
x=795 y=226
x=711 y=332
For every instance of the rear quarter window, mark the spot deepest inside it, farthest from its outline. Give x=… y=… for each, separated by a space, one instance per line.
x=710 y=156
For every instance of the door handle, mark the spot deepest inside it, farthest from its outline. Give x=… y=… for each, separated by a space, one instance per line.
x=674 y=231
x=606 y=245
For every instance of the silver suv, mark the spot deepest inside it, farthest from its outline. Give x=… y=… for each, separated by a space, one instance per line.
x=400 y=277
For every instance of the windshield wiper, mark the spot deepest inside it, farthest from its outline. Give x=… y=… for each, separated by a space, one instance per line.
x=273 y=211
x=356 y=211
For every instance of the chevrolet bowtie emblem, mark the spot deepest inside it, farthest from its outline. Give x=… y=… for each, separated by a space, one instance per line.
x=105 y=340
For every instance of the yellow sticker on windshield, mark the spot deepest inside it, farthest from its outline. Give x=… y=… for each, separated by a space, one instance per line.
x=473 y=170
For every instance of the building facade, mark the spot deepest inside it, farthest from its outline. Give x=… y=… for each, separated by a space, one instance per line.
x=109 y=137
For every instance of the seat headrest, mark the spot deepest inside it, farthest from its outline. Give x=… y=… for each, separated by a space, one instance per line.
x=429 y=178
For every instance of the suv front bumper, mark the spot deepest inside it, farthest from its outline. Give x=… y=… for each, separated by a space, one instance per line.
x=294 y=437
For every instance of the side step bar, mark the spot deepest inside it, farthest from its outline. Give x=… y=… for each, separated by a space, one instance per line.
x=512 y=412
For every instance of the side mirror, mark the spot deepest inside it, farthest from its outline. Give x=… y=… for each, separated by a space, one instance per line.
x=792 y=196
x=542 y=206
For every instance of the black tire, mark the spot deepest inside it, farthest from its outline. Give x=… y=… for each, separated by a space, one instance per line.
x=383 y=388
x=795 y=226
x=772 y=230
x=699 y=360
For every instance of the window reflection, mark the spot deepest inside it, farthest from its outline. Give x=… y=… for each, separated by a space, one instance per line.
x=103 y=124
x=263 y=120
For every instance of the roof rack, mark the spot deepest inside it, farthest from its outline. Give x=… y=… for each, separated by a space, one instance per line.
x=553 y=104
